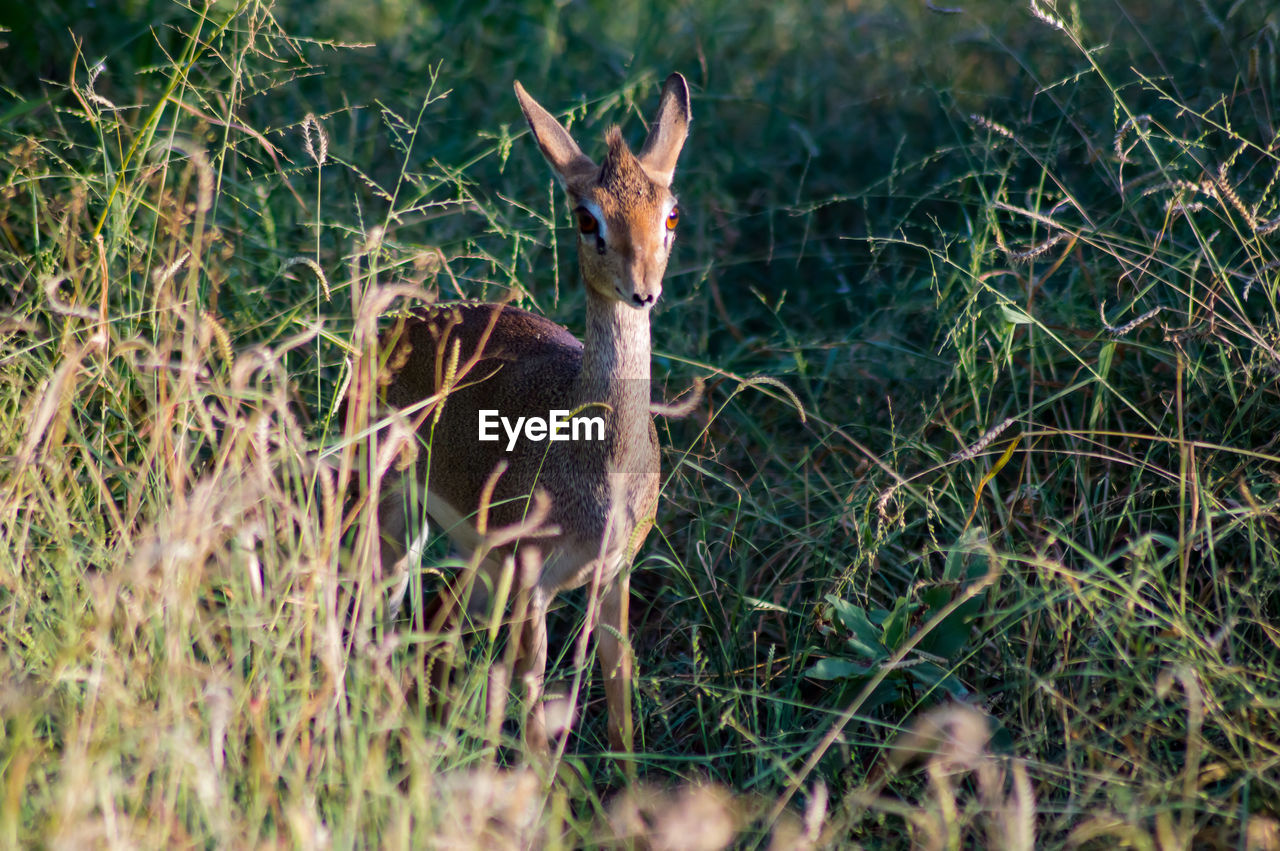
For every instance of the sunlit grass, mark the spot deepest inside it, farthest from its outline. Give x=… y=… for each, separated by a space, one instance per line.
x=1008 y=581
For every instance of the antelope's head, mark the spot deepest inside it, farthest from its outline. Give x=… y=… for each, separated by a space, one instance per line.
x=625 y=212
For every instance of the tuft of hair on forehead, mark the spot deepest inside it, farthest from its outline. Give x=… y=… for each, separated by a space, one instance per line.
x=621 y=174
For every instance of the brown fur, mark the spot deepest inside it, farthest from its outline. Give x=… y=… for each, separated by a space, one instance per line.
x=622 y=178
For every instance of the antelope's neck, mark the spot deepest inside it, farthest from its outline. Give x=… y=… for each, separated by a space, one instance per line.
x=615 y=360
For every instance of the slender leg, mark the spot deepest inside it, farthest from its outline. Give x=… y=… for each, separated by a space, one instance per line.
x=362 y=600
x=531 y=668
x=445 y=617
x=615 y=659
x=403 y=531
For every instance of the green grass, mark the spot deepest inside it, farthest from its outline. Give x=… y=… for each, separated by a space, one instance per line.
x=1027 y=530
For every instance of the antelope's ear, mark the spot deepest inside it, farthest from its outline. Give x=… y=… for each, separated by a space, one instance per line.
x=566 y=158
x=669 y=130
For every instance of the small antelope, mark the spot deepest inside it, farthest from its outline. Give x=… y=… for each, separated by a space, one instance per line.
x=495 y=362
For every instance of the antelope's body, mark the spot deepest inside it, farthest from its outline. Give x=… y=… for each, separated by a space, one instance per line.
x=603 y=493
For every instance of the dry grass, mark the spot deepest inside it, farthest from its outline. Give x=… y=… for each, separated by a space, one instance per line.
x=969 y=536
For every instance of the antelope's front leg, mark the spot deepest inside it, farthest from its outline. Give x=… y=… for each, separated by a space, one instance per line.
x=615 y=660
x=531 y=667
x=403 y=530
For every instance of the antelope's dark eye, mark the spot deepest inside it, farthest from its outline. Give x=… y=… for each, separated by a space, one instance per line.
x=673 y=218
x=587 y=223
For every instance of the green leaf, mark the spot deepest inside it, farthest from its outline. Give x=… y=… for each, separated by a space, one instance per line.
x=935 y=597
x=953 y=570
x=1015 y=315
x=863 y=636
x=949 y=638
x=888 y=691
x=835 y=669
x=895 y=628
x=933 y=676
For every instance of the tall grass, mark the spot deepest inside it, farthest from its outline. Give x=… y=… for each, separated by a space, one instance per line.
x=972 y=542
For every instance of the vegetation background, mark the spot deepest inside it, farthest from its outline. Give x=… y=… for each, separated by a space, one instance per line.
x=1011 y=580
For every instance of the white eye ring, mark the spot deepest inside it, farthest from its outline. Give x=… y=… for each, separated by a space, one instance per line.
x=589 y=220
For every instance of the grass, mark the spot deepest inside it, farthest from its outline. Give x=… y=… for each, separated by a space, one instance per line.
x=1011 y=580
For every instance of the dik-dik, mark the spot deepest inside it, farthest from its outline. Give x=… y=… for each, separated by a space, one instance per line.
x=492 y=362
